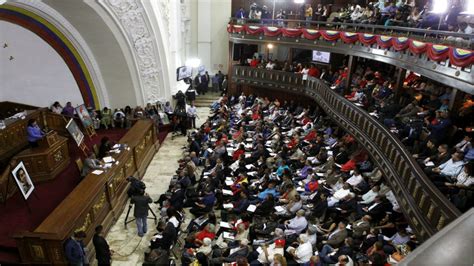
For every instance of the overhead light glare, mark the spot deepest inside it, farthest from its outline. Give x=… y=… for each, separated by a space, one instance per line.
x=193 y=62
x=439 y=6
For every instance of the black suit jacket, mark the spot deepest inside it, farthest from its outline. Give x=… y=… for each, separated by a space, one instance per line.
x=102 y=250
x=177 y=199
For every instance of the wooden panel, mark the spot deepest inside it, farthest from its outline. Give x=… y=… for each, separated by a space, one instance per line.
x=98 y=199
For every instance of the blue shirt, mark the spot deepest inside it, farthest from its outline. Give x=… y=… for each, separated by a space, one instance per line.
x=34 y=133
x=209 y=200
x=262 y=195
x=74 y=252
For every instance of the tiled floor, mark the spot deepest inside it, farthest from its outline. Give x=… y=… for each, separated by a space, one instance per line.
x=128 y=247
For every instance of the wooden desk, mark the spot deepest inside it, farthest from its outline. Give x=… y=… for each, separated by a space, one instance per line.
x=48 y=160
x=98 y=199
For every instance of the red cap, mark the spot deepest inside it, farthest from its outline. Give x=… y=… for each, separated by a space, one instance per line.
x=280 y=242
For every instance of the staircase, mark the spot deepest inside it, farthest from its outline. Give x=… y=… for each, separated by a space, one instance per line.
x=206 y=100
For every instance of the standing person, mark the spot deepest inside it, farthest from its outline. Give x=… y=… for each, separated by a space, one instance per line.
x=224 y=85
x=56 y=108
x=308 y=15
x=305 y=72
x=102 y=251
x=140 y=211
x=192 y=114
x=208 y=78
x=215 y=83
x=74 y=249
x=221 y=78
x=34 y=133
x=68 y=110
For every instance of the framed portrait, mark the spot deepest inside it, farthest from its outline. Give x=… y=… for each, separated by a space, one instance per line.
x=75 y=132
x=84 y=115
x=23 y=180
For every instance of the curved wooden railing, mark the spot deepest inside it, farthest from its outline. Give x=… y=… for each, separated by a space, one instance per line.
x=422 y=203
x=440 y=68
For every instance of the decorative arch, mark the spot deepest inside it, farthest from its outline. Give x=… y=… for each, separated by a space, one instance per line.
x=60 y=43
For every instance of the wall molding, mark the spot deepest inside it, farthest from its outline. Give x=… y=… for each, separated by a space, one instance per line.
x=133 y=21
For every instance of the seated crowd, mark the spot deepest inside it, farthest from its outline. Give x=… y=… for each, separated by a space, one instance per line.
x=421 y=115
x=280 y=185
x=119 y=117
x=403 y=13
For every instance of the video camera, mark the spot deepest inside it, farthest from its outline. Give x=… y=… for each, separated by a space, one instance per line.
x=137 y=187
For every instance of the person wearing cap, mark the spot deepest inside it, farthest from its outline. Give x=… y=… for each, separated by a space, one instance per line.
x=304 y=251
x=206 y=247
x=266 y=256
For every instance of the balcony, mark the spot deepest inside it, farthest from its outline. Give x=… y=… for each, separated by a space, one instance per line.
x=439 y=55
x=428 y=210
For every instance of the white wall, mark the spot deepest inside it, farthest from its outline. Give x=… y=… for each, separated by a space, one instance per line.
x=209 y=40
x=221 y=11
x=37 y=75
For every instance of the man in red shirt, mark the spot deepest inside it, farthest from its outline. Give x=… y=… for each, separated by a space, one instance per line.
x=314 y=71
x=254 y=62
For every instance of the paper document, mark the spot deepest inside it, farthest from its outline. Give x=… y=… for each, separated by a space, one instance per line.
x=279 y=209
x=97 y=172
x=228 y=235
x=228 y=205
x=251 y=208
x=225 y=225
x=430 y=163
x=108 y=159
x=227 y=192
x=229 y=182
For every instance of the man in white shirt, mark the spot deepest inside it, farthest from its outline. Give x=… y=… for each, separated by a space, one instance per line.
x=449 y=169
x=355 y=179
x=268 y=252
x=297 y=224
x=303 y=253
x=192 y=114
x=369 y=197
x=339 y=194
x=270 y=65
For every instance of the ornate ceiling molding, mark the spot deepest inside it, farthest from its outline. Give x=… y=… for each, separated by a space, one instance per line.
x=133 y=20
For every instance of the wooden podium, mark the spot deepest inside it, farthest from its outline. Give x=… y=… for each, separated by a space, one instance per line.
x=48 y=160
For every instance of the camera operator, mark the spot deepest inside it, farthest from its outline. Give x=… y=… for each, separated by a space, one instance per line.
x=135 y=186
x=140 y=212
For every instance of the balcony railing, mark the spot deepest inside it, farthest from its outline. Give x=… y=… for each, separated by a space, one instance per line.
x=426 y=208
x=449 y=65
x=424 y=35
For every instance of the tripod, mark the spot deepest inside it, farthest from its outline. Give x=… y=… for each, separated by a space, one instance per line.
x=133 y=219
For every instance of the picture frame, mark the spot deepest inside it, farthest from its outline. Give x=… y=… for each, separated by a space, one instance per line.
x=84 y=115
x=23 y=180
x=75 y=132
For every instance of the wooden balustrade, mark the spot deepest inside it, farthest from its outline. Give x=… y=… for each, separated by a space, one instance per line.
x=427 y=210
x=98 y=199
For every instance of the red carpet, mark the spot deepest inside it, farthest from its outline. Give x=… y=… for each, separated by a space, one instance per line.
x=15 y=216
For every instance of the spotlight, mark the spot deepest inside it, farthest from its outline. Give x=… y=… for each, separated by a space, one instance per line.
x=270 y=46
x=193 y=62
x=299 y=1
x=469 y=7
x=440 y=6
